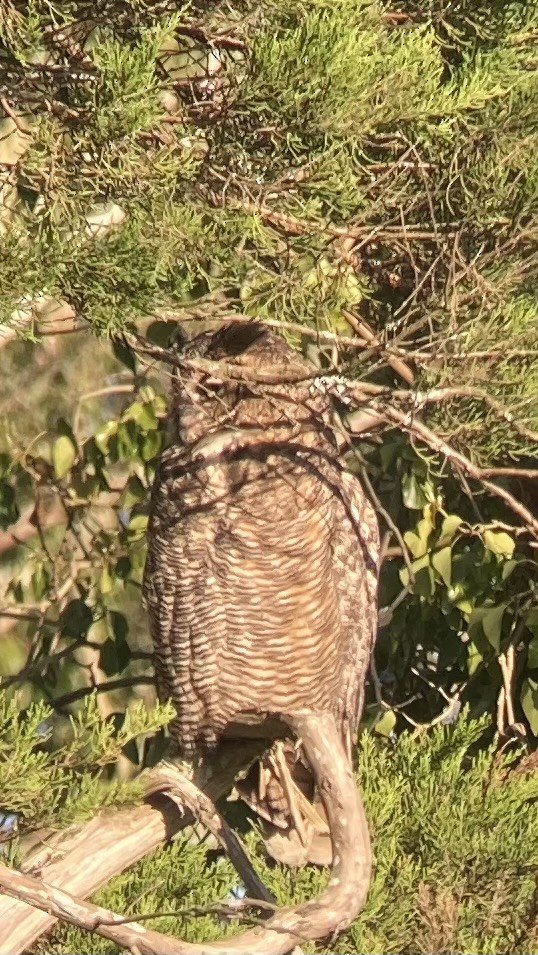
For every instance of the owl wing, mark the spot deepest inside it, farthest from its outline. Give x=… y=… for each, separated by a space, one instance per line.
x=356 y=556
x=178 y=582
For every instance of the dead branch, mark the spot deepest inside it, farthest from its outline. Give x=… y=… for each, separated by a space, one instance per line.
x=168 y=779
x=437 y=395
x=369 y=337
x=83 y=858
x=319 y=918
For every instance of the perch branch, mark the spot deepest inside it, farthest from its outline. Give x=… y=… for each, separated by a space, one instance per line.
x=319 y=918
x=48 y=898
x=83 y=858
x=167 y=778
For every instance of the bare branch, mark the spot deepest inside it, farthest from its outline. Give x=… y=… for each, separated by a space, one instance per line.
x=167 y=778
x=83 y=858
x=319 y=918
x=413 y=426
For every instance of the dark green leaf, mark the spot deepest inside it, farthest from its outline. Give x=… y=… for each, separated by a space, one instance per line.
x=413 y=496
x=492 y=621
x=124 y=354
x=75 y=619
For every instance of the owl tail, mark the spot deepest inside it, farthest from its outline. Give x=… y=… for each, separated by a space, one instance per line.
x=280 y=789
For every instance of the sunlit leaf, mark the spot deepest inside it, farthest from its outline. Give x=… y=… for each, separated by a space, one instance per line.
x=442 y=563
x=499 y=542
x=103 y=436
x=64 y=454
x=386 y=723
x=448 y=528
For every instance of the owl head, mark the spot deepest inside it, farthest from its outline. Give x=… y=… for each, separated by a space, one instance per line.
x=243 y=374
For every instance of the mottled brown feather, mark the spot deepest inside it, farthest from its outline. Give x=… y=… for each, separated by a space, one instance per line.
x=261 y=573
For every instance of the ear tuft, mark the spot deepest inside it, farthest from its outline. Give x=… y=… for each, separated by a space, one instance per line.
x=237 y=337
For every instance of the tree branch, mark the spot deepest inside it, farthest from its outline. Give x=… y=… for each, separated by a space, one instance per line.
x=407 y=422
x=319 y=918
x=83 y=858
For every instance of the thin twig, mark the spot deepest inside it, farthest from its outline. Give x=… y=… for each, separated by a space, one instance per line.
x=167 y=778
x=413 y=426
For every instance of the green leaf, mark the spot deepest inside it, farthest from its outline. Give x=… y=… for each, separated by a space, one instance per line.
x=386 y=723
x=106 y=581
x=531 y=620
x=448 y=528
x=63 y=427
x=442 y=563
x=499 y=542
x=127 y=441
x=508 y=567
x=64 y=453
x=144 y=415
x=529 y=702
x=417 y=540
x=151 y=445
x=465 y=605
x=415 y=545
x=492 y=625
x=474 y=657
x=108 y=658
x=104 y=435
x=412 y=493
x=123 y=568
x=9 y=510
x=161 y=333
x=120 y=626
x=532 y=656
x=388 y=453
x=124 y=354
x=134 y=492
x=75 y=619
x=120 y=629
x=138 y=523
x=424 y=585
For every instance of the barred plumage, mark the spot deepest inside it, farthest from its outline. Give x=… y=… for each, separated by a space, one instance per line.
x=261 y=573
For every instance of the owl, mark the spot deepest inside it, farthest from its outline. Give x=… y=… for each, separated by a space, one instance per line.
x=261 y=572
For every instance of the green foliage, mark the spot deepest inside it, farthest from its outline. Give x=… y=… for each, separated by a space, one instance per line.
x=417 y=128
x=455 y=842
x=55 y=786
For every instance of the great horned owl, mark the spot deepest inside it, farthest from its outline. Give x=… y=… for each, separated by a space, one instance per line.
x=261 y=573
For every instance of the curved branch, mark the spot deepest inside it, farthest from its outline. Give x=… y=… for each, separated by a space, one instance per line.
x=83 y=858
x=319 y=918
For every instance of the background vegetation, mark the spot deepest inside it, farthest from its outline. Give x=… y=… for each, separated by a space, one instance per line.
x=363 y=175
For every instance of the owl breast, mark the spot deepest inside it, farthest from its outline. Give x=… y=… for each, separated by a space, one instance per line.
x=260 y=583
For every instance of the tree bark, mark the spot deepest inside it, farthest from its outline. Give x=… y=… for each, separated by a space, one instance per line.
x=318 y=918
